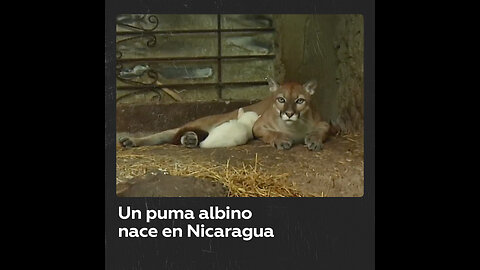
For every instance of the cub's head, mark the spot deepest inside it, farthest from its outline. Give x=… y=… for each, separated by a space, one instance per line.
x=291 y=100
x=247 y=118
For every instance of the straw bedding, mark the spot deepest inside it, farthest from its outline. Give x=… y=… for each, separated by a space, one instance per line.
x=247 y=180
x=256 y=169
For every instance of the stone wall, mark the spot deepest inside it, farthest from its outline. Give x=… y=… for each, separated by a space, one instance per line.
x=328 y=48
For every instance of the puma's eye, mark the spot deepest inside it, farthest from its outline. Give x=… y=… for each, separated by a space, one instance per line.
x=281 y=100
x=300 y=101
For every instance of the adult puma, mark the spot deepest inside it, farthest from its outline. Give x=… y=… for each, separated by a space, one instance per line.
x=287 y=117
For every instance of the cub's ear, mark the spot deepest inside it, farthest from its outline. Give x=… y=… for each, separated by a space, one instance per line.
x=272 y=84
x=240 y=112
x=310 y=86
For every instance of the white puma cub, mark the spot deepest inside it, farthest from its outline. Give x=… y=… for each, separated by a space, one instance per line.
x=232 y=133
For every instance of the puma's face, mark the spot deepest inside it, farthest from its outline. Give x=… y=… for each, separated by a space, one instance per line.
x=292 y=100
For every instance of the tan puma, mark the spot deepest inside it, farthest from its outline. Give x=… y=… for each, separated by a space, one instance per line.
x=287 y=118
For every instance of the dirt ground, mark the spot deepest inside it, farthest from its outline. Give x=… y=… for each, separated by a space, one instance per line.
x=336 y=171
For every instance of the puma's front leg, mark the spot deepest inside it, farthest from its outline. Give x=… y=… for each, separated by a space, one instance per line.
x=315 y=139
x=277 y=139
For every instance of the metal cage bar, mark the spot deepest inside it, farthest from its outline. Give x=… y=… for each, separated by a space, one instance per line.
x=219 y=57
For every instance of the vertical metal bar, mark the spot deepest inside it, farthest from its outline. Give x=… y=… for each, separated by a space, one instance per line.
x=219 y=74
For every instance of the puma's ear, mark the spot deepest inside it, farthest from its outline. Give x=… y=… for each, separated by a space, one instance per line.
x=310 y=86
x=240 y=112
x=272 y=84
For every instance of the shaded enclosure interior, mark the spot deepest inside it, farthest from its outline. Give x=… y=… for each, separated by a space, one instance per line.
x=172 y=69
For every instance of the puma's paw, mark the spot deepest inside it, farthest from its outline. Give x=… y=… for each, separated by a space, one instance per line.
x=283 y=144
x=314 y=142
x=126 y=142
x=189 y=139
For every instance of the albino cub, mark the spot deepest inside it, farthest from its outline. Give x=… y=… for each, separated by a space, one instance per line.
x=233 y=132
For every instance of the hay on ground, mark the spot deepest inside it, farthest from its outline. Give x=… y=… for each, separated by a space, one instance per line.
x=248 y=180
